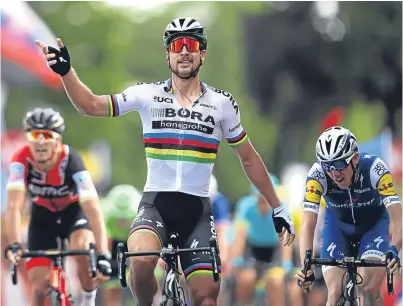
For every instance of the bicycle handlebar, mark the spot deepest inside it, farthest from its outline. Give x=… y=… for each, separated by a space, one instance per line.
x=122 y=255
x=54 y=255
x=348 y=262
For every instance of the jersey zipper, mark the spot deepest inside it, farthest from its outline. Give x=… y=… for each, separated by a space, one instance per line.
x=178 y=181
x=351 y=205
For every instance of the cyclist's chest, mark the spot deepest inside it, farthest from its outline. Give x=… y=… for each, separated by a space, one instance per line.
x=52 y=184
x=359 y=195
x=165 y=114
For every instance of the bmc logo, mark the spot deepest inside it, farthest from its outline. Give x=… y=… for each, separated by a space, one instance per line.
x=48 y=191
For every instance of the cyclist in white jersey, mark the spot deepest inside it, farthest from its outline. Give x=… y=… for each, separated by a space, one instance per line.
x=183 y=120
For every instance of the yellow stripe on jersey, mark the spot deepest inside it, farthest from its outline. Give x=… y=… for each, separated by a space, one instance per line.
x=313 y=191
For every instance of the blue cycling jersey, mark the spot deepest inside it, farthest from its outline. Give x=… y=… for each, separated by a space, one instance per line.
x=360 y=205
x=261 y=231
x=356 y=216
x=221 y=208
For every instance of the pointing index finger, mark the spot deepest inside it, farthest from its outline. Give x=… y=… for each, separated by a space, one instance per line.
x=59 y=43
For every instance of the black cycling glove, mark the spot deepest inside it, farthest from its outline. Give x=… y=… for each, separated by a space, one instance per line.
x=62 y=58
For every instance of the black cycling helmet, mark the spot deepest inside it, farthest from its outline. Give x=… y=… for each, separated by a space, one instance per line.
x=44 y=119
x=185 y=26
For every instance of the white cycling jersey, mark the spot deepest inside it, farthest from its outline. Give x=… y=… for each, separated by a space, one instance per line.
x=181 y=144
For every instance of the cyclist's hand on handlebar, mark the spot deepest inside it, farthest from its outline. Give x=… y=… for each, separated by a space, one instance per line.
x=104 y=266
x=393 y=254
x=58 y=59
x=283 y=223
x=305 y=281
x=13 y=252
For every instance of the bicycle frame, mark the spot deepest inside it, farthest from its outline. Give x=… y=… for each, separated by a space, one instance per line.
x=172 y=290
x=58 y=284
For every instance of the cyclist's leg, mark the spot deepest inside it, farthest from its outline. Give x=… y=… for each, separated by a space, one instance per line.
x=112 y=292
x=147 y=233
x=318 y=294
x=245 y=282
x=275 y=276
x=76 y=228
x=197 y=267
x=42 y=234
x=295 y=294
x=334 y=244
x=373 y=245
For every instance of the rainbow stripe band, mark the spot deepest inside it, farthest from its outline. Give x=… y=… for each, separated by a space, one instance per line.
x=185 y=147
x=238 y=140
x=146 y=229
x=199 y=269
x=113 y=110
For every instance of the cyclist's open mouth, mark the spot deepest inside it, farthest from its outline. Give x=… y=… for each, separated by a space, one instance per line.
x=339 y=180
x=185 y=63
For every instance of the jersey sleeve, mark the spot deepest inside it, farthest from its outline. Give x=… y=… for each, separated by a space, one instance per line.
x=231 y=122
x=382 y=180
x=315 y=187
x=17 y=172
x=221 y=209
x=130 y=99
x=81 y=177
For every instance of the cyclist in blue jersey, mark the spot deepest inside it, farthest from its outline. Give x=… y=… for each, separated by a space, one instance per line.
x=184 y=121
x=360 y=200
x=256 y=253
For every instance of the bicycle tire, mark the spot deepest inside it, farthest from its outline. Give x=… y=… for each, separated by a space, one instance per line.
x=54 y=298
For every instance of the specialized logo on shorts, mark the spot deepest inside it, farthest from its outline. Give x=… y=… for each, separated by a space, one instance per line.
x=313 y=191
x=81 y=222
x=331 y=248
x=385 y=185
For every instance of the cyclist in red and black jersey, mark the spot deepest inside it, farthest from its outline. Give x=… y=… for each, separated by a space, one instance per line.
x=63 y=195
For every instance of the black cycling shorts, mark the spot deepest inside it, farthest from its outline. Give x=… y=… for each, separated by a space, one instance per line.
x=189 y=216
x=45 y=227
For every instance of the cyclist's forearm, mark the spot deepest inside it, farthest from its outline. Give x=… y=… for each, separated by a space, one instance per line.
x=13 y=225
x=96 y=220
x=306 y=241
x=395 y=212
x=79 y=94
x=397 y=232
x=286 y=252
x=259 y=176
